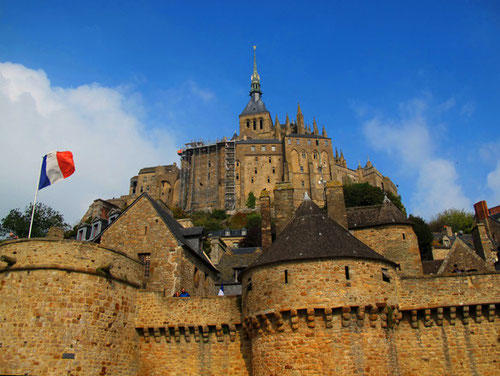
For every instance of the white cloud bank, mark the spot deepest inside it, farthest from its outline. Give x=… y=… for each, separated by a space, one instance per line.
x=100 y=125
x=407 y=139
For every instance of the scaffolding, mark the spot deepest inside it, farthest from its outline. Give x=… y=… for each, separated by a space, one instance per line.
x=230 y=189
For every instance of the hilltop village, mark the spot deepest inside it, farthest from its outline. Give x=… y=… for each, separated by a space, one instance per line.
x=340 y=291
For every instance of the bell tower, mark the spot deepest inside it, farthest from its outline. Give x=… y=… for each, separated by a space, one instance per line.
x=255 y=120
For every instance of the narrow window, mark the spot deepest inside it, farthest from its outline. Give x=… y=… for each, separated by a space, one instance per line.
x=268 y=179
x=301 y=168
x=317 y=143
x=252 y=180
x=303 y=154
x=147 y=188
x=208 y=176
x=249 y=284
x=263 y=148
x=260 y=123
x=238 y=164
x=404 y=236
x=209 y=164
x=286 y=276
x=270 y=160
x=146 y=259
x=254 y=125
x=274 y=170
x=302 y=183
x=385 y=275
x=256 y=159
x=145 y=230
x=347 y=276
x=237 y=177
x=248 y=124
x=289 y=141
x=255 y=170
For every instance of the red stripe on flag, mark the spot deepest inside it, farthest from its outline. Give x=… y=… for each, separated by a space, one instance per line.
x=66 y=164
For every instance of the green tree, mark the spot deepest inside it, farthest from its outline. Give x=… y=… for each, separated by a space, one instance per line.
x=253 y=237
x=458 y=219
x=364 y=194
x=251 y=200
x=19 y=222
x=424 y=236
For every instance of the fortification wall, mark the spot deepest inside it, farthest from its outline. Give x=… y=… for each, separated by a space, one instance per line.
x=318 y=283
x=449 y=290
x=191 y=336
x=62 y=313
x=397 y=243
x=449 y=341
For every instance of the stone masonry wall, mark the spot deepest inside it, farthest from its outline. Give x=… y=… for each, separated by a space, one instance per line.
x=317 y=283
x=191 y=336
x=397 y=243
x=140 y=230
x=59 y=314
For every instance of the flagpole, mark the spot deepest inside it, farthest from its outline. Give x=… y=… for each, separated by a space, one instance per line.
x=34 y=200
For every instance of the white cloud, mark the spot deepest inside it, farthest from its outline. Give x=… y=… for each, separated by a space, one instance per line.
x=493 y=182
x=100 y=125
x=408 y=141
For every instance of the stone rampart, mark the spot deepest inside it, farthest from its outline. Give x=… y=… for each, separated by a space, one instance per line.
x=449 y=290
x=64 y=311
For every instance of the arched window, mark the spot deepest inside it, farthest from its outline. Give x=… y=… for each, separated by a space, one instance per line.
x=260 y=123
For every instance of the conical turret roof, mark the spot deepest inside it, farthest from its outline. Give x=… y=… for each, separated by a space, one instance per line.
x=312 y=234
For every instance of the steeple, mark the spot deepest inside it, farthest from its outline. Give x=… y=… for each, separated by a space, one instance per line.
x=255 y=86
x=315 y=128
x=300 y=121
x=323 y=132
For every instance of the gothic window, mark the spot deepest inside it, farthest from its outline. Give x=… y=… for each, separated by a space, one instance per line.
x=146 y=260
x=260 y=123
x=248 y=124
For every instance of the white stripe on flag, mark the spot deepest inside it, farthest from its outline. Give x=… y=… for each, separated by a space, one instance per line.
x=52 y=168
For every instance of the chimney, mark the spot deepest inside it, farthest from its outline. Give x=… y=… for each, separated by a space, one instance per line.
x=483 y=245
x=447 y=230
x=335 y=203
x=265 y=212
x=481 y=209
x=283 y=205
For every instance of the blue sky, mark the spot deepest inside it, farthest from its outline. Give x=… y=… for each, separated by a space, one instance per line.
x=412 y=85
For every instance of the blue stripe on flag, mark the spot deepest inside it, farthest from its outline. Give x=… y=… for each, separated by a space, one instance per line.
x=44 y=179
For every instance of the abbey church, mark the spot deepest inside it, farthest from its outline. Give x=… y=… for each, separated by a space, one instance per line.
x=221 y=174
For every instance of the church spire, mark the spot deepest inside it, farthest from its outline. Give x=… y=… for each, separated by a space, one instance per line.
x=255 y=86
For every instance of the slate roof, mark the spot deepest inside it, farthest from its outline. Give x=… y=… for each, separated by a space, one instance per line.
x=432 y=266
x=466 y=238
x=236 y=258
x=312 y=234
x=375 y=215
x=192 y=231
x=232 y=232
x=254 y=106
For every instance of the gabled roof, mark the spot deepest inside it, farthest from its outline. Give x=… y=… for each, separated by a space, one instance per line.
x=174 y=226
x=236 y=259
x=465 y=259
x=312 y=234
x=375 y=215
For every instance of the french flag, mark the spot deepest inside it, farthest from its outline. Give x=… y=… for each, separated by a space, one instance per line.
x=56 y=166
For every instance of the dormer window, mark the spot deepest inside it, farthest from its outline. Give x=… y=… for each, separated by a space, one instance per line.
x=81 y=234
x=227 y=232
x=112 y=218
